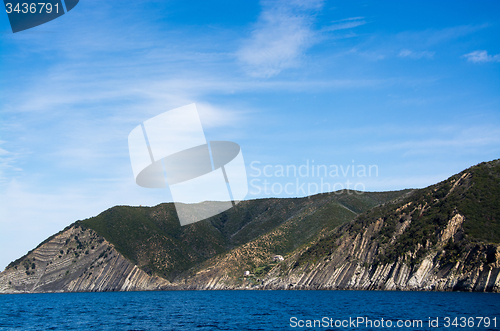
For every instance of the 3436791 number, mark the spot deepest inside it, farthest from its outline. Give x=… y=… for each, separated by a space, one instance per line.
x=33 y=8
x=470 y=322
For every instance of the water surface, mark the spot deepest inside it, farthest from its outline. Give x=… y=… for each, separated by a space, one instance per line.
x=249 y=310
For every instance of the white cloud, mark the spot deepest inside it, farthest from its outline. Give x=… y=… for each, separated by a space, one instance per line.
x=346 y=23
x=215 y=116
x=357 y=18
x=431 y=37
x=415 y=55
x=281 y=36
x=368 y=55
x=407 y=44
x=482 y=57
x=8 y=164
x=453 y=140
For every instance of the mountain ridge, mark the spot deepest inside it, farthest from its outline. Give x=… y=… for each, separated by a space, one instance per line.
x=432 y=240
x=442 y=237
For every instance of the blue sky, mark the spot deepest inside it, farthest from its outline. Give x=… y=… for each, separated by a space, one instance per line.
x=409 y=87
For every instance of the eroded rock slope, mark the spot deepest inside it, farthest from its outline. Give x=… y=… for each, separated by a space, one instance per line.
x=75 y=260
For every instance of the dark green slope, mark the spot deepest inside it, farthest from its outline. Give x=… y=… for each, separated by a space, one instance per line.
x=474 y=193
x=152 y=238
x=480 y=202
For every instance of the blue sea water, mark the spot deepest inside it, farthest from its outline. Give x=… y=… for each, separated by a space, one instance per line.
x=250 y=310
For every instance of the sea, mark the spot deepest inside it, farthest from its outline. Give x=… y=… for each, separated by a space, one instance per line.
x=251 y=310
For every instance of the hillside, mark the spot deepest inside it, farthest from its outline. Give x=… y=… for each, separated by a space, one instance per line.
x=75 y=260
x=152 y=238
x=150 y=241
x=443 y=237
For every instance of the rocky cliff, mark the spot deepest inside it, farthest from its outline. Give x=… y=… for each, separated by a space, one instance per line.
x=444 y=237
x=144 y=248
x=353 y=265
x=75 y=260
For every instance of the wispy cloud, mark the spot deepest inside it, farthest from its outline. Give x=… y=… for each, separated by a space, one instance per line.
x=8 y=164
x=369 y=55
x=407 y=44
x=481 y=57
x=346 y=23
x=431 y=37
x=282 y=34
x=453 y=140
x=357 y=18
x=406 y=53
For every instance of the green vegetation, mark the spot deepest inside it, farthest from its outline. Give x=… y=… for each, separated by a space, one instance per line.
x=264 y=269
x=410 y=224
x=476 y=197
x=152 y=238
x=481 y=203
x=414 y=223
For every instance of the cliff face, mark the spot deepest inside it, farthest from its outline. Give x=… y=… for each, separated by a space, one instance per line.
x=444 y=237
x=122 y=248
x=152 y=238
x=75 y=260
x=225 y=270
x=353 y=265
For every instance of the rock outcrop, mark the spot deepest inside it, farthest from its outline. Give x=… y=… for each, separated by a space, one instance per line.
x=444 y=238
x=441 y=238
x=76 y=260
x=353 y=266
